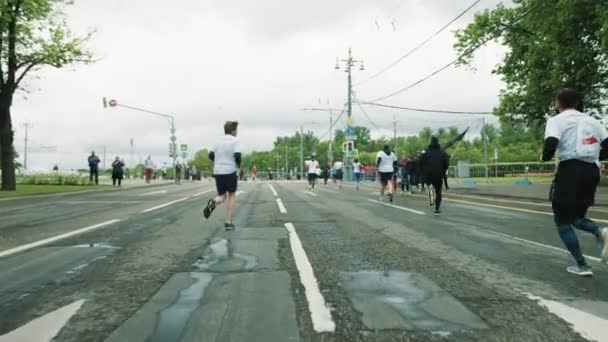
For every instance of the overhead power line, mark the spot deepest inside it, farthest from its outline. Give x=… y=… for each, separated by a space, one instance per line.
x=420 y=45
x=425 y=110
x=459 y=58
x=332 y=126
x=365 y=113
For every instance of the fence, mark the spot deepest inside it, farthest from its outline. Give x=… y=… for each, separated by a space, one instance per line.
x=538 y=169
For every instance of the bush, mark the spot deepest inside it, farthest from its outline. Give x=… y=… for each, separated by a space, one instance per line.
x=53 y=178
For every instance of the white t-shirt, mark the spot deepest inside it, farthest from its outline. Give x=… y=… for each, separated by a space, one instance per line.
x=338 y=165
x=386 y=162
x=224 y=151
x=312 y=166
x=357 y=167
x=579 y=135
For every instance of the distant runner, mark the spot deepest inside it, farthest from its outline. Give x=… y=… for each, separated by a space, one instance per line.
x=254 y=173
x=226 y=157
x=325 y=172
x=148 y=169
x=434 y=164
x=386 y=161
x=312 y=168
x=357 y=171
x=579 y=140
x=339 y=172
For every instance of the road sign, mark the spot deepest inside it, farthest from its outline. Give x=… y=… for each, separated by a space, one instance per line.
x=353 y=153
x=183 y=147
x=351 y=138
x=113 y=103
x=350 y=121
x=184 y=155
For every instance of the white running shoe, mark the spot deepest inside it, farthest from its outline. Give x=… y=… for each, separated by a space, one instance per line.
x=604 y=236
x=583 y=271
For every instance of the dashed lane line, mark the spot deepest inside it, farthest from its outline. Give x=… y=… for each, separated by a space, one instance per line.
x=319 y=311
x=282 y=208
x=398 y=207
x=165 y=205
x=55 y=238
x=274 y=192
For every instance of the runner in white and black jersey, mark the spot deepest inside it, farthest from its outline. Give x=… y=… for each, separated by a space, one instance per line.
x=312 y=168
x=386 y=162
x=579 y=140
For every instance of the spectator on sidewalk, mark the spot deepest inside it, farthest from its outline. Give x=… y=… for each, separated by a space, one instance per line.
x=117 y=171
x=93 y=167
x=148 y=169
x=178 y=171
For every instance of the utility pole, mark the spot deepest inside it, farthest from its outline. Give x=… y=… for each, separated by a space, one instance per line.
x=104 y=156
x=132 y=161
x=302 y=151
x=331 y=151
x=286 y=159
x=485 y=144
x=27 y=126
x=395 y=134
x=349 y=63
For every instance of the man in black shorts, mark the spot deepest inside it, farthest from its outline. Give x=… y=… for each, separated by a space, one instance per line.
x=579 y=140
x=386 y=163
x=226 y=157
x=434 y=164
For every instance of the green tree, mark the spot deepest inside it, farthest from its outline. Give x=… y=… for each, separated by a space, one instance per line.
x=551 y=44
x=201 y=161
x=33 y=34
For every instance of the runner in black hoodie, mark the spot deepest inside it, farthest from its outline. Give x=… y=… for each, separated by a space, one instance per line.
x=434 y=164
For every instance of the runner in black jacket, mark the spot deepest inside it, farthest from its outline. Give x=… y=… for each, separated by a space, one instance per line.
x=434 y=164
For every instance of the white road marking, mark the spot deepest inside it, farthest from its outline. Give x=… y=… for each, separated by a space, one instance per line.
x=588 y=325
x=202 y=192
x=99 y=202
x=311 y=193
x=319 y=312
x=55 y=238
x=45 y=328
x=327 y=190
x=240 y=192
x=281 y=206
x=509 y=208
x=158 y=192
x=538 y=244
x=164 y=205
x=398 y=207
x=274 y=192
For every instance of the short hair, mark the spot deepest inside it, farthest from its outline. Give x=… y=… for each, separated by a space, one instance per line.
x=570 y=98
x=386 y=147
x=230 y=127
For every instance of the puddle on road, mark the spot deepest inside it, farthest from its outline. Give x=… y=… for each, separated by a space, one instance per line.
x=173 y=319
x=410 y=301
x=220 y=257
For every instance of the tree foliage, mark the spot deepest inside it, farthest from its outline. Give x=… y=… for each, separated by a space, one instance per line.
x=33 y=34
x=551 y=44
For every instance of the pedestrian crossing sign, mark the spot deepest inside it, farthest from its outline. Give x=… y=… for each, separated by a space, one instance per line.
x=183 y=148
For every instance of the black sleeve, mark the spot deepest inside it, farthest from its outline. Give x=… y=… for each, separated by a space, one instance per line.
x=212 y=156
x=378 y=161
x=237 y=158
x=549 y=148
x=604 y=150
x=446 y=162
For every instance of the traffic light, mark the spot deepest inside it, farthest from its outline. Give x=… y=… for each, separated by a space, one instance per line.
x=172 y=150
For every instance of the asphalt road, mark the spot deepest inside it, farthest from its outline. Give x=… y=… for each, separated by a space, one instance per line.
x=333 y=265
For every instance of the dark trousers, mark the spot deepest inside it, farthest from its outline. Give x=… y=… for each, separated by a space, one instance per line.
x=94 y=172
x=312 y=177
x=575 y=185
x=116 y=180
x=437 y=184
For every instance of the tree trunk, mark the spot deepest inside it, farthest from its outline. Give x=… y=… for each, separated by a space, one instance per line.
x=7 y=151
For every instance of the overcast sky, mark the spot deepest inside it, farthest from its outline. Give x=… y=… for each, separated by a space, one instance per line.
x=259 y=62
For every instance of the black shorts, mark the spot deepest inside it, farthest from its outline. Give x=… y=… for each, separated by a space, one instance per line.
x=312 y=177
x=339 y=175
x=226 y=183
x=575 y=183
x=385 y=177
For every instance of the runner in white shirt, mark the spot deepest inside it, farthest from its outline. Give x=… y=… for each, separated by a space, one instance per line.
x=357 y=171
x=339 y=172
x=579 y=140
x=386 y=166
x=312 y=167
x=226 y=157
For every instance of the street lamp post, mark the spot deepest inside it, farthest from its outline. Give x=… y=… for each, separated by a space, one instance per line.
x=350 y=62
x=173 y=139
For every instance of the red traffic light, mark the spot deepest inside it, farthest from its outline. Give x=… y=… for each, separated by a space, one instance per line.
x=113 y=103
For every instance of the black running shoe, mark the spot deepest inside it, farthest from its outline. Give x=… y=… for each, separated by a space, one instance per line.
x=437 y=212
x=229 y=226
x=390 y=196
x=209 y=208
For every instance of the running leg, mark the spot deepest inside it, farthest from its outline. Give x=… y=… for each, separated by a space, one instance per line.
x=563 y=221
x=438 y=195
x=231 y=205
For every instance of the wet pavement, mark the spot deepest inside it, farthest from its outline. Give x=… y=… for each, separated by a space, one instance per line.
x=477 y=273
